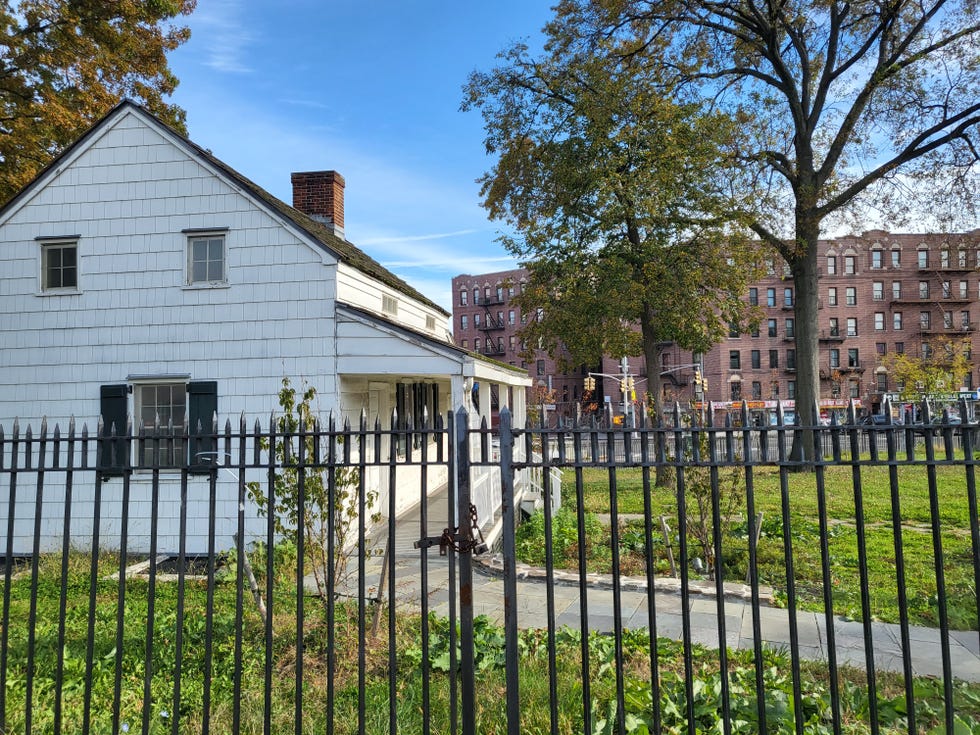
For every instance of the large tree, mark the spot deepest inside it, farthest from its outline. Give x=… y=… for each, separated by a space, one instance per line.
x=842 y=105
x=64 y=63
x=619 y=212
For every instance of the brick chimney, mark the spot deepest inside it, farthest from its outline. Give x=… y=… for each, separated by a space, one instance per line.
x=320 y=194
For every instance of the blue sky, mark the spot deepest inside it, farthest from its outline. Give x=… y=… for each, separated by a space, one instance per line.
x=372 y=89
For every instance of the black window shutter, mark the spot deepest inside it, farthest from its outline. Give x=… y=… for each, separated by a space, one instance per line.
x=113 y=453
x=202 y=405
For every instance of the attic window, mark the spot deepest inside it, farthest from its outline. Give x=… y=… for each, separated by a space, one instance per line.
x=205 y=258
x=389 y=305
x=59 y=266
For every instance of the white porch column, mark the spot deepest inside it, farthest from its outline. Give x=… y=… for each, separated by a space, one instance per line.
x=460 y=396
x=485 y=410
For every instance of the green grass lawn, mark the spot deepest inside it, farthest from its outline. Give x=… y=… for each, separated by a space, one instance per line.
x=804 y=532
x=160 y=670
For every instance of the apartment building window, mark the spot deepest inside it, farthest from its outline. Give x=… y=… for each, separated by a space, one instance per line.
x=476 y=297
x=853 y=388
x=947 y=290
x=881 y=382
x=500 y=293
x=944 y=258
x=464 y=321
x=510 y=292
x=850 y=265
x=896 y=258
x=774 y=388
x=512 y=341
x=756 y=390
x=736 y=390
x=787 y=297
x=466 y=344
x=523 y=318
x=881 y=347
x=476 y=344
x=832 y=296
x=756 y=360
x=791 y=389
x=791 y=359
x=773 y=359
x=923 y=256
x=59 y=266
x=896 y=290
x=850 y=295
x=476 y=321
x=878 y=291
x=965 y=319
x=510 y=317
x=852 y=326
x=770 y=297
x=900 y=348
x=733 y=330
x=961 y=258
x=879 y=321
x=772 y=327
x=925 y=319
x=464 y=297
x=853 y=360
x=540 y=367
x=834 y=326
x=734 y=359
x=877 y=257
x=754 y=296
x=834 y=358
x=923 y=289
x=754 y=329
x=926 y=351
x=897 y=321
x=790 y=329
x=964 y=289
x=947 y=319
x=831 y=265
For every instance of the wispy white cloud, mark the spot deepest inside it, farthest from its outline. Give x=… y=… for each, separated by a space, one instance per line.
x=220 y=29
x=313 y=104
x=414 y=238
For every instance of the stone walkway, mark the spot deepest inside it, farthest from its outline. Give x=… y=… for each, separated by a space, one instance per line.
x=532 y=610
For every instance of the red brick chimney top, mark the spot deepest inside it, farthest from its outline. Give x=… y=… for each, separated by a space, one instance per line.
x=320 y=194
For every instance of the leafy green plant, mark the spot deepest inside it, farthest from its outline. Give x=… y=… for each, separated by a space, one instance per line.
x=566 y=537
x=327 y=492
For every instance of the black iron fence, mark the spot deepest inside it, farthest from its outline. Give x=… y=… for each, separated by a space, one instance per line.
x=691 y=579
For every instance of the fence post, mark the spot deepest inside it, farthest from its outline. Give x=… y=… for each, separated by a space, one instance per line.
x=508 y=519
x=465 y=542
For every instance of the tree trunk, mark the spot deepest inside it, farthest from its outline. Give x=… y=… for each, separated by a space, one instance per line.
x=651 y=355
x=805 y=270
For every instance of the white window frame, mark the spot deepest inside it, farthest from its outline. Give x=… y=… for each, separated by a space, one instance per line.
x=209 y=238
x=147 y=417
x=49 y=246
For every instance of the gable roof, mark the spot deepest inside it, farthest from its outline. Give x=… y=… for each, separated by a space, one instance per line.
x=321 y=235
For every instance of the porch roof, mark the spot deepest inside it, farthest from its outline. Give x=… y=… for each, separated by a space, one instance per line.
x=368 y=344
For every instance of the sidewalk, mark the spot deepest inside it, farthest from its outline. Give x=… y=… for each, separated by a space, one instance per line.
x=598 y=606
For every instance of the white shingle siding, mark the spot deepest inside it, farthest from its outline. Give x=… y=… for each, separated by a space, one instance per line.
x=129 y=196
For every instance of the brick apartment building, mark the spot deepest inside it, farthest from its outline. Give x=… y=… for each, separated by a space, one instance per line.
x=879 y=293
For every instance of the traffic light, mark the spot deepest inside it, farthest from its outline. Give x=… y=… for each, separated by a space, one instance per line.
x=623 y=385
x=589 y=382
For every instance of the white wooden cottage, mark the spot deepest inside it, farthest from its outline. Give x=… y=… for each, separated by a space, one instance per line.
x=142 y=277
